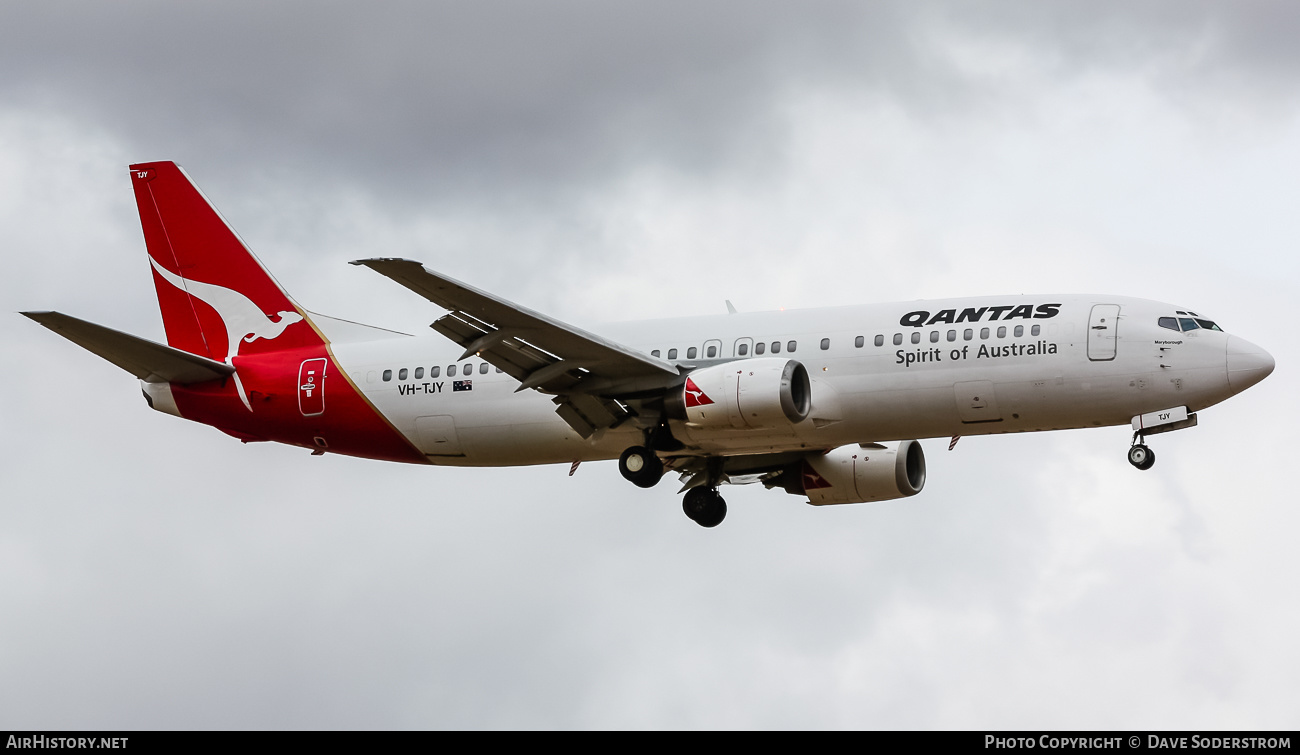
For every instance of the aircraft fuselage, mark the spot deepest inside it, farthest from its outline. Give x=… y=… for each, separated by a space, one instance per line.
x=1048 y=368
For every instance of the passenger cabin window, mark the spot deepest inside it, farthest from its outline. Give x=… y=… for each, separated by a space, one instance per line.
x=401 y=374
x=826 y=344
x=857 y=342
x=790 y=346
x=691 y=352
x=1020 y=330
x=711 y=352
x=916 y=336
x=1035 y=330
x=880 y=340
x=654 y=353
x=967 y=334
x=483 y=368
x=1002 y=331
x=388 y=375
x=984 y=334
x=759 y=348
x=419 y=373
x=451 y=370
x=934 y=336
x=952 y=335
x=672 y=353
x=499 y=370
x=434 y=371
x=898 y=339
x=776 y=347
x=742 y=349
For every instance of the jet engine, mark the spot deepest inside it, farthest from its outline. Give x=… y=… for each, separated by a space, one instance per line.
x=754 y=393
x=856 y=474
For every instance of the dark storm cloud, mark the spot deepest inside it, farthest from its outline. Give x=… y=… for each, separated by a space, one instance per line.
x=413 y=93
x=467 y=98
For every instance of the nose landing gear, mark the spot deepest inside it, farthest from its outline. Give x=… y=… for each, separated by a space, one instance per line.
x=1139 y=455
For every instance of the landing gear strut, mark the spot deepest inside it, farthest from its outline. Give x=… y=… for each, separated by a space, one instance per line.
x=704 y=506
x=641 y=467
x=1139 y=455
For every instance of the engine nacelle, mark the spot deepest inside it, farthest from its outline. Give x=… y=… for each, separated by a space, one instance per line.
x=857 y=474
x=753 y=393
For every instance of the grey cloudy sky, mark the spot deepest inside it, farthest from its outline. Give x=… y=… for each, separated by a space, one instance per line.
x=606 y=161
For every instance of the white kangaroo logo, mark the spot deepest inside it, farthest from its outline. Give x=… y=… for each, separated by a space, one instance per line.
x=244 y=320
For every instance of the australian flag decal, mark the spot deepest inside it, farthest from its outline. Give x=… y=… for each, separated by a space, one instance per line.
x=462 y=385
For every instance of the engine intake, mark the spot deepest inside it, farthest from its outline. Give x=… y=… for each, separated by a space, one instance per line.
x=753 y=393
x=856 y=474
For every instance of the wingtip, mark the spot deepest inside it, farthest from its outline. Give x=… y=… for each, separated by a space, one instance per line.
x=372 y=261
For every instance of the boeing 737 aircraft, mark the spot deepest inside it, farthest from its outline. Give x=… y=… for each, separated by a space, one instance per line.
x=822 y=403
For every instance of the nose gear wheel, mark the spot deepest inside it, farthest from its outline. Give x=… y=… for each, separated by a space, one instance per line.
x=1139 y=455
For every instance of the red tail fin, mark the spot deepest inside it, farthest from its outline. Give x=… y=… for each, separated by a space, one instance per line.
x=216 y=298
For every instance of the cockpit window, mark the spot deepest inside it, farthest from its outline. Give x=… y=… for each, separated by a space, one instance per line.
x=1188 y=323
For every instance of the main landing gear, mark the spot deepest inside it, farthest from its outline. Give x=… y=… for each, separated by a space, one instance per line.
x=702 y=503
x=704 y=506
x=641 y=467
x=1139 y=455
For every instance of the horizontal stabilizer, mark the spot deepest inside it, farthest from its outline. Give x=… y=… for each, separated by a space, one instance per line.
x=149 y=361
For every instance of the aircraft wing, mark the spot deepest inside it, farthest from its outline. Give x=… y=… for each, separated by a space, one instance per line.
x=149 y=361
x=585 y=372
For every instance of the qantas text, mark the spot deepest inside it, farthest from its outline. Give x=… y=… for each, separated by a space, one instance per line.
x=922 y=317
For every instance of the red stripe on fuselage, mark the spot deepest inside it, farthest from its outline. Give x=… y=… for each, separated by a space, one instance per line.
x=349 y=425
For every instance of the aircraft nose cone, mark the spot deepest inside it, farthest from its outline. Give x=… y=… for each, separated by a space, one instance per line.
x=1247 y=363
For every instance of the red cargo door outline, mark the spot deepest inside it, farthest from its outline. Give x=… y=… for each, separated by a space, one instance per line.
x=311 y=387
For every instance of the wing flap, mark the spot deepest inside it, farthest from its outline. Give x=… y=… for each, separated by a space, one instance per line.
x=515 y=357
x=584 y=371
x=492 y=313
x=151 y=362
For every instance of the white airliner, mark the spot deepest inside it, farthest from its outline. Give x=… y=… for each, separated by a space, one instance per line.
x=822 y=403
